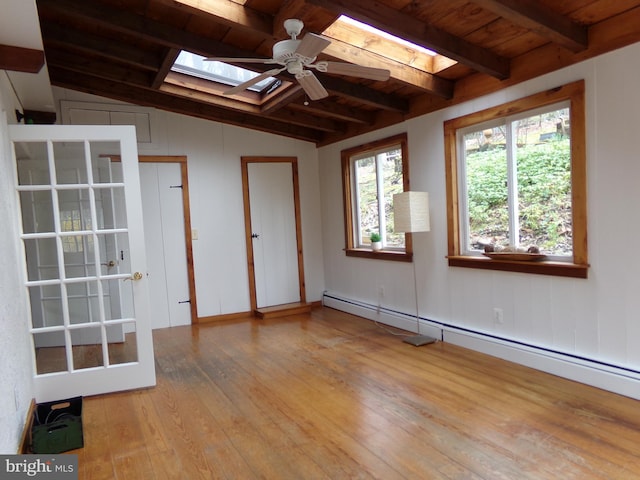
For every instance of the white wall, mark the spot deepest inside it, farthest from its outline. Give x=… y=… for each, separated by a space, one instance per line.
x=16 y=389
x=595 y=318
x=215 y=187
x=17 y=92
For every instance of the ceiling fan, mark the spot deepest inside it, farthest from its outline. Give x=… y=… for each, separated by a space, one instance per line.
x=297 y=57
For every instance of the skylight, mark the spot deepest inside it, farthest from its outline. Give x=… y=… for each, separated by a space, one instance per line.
x=195 y=65
x=387 y=36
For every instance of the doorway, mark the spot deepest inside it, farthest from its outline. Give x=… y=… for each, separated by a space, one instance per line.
x=272 y=229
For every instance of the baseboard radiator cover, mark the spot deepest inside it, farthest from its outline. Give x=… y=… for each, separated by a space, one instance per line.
x=617 y=379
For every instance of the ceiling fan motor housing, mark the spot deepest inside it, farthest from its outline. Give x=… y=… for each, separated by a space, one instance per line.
x=285 y=50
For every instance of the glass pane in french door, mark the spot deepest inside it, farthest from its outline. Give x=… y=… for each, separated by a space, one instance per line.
x=70 y=163
x=104 y=168
x=126 y=350
x=51 y=354
x=87 y=351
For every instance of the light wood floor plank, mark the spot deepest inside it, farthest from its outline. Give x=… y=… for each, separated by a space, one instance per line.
x=327 y=395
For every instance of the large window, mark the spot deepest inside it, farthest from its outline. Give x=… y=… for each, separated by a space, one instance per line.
x=372 y=174
x=517 y=183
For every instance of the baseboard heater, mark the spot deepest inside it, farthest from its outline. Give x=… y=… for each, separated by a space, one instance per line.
x=614 y=378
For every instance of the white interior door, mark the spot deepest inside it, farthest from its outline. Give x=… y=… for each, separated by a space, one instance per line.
x=83 y=241
x=273 y=227
x=166 y=244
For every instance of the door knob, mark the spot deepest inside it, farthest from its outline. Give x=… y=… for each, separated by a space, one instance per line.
x=134 y=276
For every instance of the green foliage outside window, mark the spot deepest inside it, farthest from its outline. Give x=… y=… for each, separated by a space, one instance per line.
x=544 y=196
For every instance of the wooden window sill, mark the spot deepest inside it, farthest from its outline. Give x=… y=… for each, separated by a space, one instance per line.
x=560 y=269
x=380 y=255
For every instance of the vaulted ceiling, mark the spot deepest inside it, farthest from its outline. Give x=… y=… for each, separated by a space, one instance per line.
x=124 y=50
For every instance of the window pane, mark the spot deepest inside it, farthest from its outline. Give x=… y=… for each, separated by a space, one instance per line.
x=195 y=65
x=392 y=181
x=42 y=258
x=104 y=170
x=544 y=182
x=37 y=211
x=33 y=163
x=110 y=208
x=486 y=185
x=70 y=162
x=46 y=306
x=367 y=199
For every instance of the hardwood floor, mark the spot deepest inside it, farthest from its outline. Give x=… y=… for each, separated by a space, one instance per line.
x=327 y=395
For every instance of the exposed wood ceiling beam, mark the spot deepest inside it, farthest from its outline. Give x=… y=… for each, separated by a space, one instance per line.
x=122 y=74
x=296 y=118
x=165 y=68
x=530 y=14
x=179 y=104
x=282 y=99
x=226 y=12
x=306 y=120
x=362 y=94
x=411 y=29
x=329 y=108
x=85 y=42
x=20 y=59
x=203 y=90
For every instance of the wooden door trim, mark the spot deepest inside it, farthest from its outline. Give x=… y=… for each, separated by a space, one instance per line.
x=182 y=161
x=245 y=161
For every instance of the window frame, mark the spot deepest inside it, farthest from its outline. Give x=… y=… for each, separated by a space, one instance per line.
x=578 y=265
x=348 y=156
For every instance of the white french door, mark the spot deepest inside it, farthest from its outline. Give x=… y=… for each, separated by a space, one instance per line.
x=82 y=236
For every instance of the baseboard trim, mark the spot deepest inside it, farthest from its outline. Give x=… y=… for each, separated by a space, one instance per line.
x=25 y=439
x=384 y=315
x=224 y=317
x=248 y=315
x=613 y=378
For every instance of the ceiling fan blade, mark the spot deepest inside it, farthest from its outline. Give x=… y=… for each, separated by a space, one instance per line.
x=253 y=81
x=240 y=60
x=311 y=45
x=380 y=74
x=311 y=85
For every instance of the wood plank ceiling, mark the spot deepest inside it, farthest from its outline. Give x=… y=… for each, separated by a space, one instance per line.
x=124 y=50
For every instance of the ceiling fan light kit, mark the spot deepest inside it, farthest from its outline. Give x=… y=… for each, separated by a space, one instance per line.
x=297 y=56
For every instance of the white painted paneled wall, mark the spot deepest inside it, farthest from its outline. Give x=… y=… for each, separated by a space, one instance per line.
x=597 y=318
